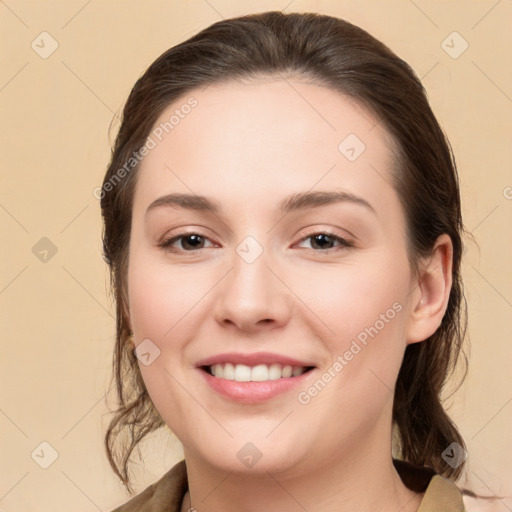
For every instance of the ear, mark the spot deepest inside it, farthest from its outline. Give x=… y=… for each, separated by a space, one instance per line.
x=432 y=291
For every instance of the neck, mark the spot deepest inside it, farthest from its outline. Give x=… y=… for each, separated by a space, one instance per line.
x=355 y=481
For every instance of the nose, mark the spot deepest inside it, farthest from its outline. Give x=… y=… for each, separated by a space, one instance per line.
x=252 y=296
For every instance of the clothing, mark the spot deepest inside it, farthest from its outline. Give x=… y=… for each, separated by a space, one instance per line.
x=166 y=495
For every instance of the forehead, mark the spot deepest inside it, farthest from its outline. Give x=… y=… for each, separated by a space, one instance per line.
x=249 y=138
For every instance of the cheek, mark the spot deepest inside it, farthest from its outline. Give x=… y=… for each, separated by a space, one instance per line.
x=160 y=311
x=161 y=298
x=348 y=298
x=363 y=320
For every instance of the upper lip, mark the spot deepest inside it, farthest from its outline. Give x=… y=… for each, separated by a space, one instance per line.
x=254 y=359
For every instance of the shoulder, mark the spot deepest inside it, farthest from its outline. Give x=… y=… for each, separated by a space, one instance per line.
x=165 y=494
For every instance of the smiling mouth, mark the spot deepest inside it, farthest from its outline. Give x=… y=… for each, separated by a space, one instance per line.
x=257 y=373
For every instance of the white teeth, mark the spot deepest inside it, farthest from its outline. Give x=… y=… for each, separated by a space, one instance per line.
x=297 y=370
x=259 y=373
x=217 y=370
x=242 y=373
x=288 y=371
x=274 y=372
x=229 y=371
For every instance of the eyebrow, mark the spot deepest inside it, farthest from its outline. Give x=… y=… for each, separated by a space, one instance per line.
x=295 y=202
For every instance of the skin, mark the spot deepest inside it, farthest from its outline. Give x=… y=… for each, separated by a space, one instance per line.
x=248 y=145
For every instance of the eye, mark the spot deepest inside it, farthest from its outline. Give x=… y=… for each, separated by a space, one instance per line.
x=190 y=242
x=321 y=240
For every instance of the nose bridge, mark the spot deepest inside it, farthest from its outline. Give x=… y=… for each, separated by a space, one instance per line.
x=251 y=295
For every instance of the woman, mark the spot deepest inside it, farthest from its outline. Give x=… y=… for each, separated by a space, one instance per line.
x=284 y=233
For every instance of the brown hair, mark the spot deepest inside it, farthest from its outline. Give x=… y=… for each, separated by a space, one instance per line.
x=341 y=56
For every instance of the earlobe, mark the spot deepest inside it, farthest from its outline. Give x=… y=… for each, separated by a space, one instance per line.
x=433 y=286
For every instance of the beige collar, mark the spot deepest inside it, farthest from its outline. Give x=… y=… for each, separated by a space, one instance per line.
x=442 y=495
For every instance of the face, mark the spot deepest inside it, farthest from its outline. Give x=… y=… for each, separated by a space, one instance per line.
x=304 y=292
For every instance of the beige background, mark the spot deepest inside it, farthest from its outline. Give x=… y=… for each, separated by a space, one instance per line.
x=56 y=317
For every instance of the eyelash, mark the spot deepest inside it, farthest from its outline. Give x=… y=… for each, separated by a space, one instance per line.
x=343 y=243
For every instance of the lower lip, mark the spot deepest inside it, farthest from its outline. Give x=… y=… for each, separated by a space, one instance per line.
x=253 y=392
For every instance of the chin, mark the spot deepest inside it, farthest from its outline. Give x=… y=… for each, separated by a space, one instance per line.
x=255 y=458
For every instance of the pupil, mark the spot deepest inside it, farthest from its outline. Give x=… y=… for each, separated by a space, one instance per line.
x=189 y=237
x=317 y=237
x=197 y=239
